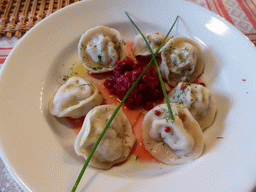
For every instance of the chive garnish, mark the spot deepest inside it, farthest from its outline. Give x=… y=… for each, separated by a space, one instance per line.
x=154 y=59
x=115 y=112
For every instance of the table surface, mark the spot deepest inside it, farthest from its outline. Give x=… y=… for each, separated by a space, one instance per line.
x=241 y=13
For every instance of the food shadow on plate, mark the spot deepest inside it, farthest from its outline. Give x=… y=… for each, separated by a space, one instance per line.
x=142 y=170
x=66 y=136
x=215 y=81
x=90 y=181
x=214 y=78
x=214 y=134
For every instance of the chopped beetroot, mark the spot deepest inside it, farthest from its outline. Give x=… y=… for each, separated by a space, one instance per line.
x=147 y=91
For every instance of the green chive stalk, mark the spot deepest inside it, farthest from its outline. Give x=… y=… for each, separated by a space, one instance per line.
x=113 y=116
x=154 y=59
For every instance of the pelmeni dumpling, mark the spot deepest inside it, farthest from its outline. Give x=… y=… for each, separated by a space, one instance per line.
x=172 y=143
x=115 y=145
x=182 y=60
x=75 y=98
x=100 y=47
x=140 y=47
x=197 y=99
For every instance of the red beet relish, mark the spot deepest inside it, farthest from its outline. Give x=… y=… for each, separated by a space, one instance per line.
x=146 y=92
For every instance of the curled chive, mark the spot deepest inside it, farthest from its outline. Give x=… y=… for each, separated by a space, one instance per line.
x=113 y=116
x=154 y=59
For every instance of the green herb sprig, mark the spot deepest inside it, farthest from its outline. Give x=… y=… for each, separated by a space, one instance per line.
x=113 y=116
x=154 y=59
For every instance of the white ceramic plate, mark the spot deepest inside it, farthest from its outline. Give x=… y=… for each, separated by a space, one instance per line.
x=38 y=148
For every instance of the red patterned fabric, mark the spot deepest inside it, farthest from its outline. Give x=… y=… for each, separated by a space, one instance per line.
x=6 y=45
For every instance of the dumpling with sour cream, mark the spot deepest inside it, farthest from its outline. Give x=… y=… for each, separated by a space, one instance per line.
x=75 y=98
x=182 y=60
x=115 y=145
x=172 y=143
x=100 y=47
x=197 y=99
x=140 y=47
